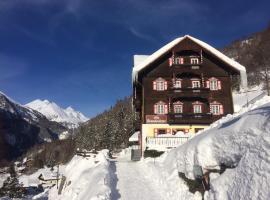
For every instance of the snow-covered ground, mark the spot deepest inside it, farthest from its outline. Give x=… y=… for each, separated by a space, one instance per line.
x=86 y=178
x=55 y=113
x=240 y=141
x=242 y=99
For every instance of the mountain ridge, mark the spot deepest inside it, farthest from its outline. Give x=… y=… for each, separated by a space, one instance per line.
x=69 y=117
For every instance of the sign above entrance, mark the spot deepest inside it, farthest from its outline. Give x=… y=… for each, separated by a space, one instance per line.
x=156 y=119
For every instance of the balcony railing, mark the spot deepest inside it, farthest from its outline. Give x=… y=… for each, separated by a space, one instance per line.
x=165 y=142
x=190 y=91
x=200 y=118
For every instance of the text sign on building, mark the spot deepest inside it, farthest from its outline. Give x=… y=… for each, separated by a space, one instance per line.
x=156 y=119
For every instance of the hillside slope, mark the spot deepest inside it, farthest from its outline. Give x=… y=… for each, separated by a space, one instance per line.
x=21 y=128
x=253 y=52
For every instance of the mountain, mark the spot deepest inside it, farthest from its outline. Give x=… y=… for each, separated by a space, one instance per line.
x=67 y=117
x=22 y=127
x=254 y=53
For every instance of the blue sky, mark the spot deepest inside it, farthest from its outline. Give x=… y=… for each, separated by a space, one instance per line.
x=79 y=52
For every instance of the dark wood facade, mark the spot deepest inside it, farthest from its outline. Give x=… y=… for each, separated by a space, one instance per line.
x=208 y=66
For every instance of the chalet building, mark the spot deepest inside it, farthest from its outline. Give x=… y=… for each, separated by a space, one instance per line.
x=182 y=88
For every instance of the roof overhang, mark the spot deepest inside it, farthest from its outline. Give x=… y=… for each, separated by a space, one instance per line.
x=146 y=61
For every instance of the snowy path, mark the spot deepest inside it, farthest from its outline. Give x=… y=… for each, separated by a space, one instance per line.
x=131 y=183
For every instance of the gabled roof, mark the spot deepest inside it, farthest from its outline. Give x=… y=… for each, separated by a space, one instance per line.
x=150 y=59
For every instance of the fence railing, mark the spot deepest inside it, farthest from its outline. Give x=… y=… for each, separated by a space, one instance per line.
x=168 y=142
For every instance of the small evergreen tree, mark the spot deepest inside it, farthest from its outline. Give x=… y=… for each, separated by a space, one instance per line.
x=11 y=186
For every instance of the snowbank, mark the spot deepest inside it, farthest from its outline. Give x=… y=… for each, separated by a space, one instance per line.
x=86 y=178
x=165 y=177
x=240 y=141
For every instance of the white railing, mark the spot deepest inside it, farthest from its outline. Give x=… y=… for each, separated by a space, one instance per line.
x=167 y=142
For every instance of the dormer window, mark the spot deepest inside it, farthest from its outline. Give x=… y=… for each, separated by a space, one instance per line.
x=161 y=108
x=160 y=84
x=213 y=83
x=194 y=61
x=197 y=107
x=216 y=108
x=178 y=107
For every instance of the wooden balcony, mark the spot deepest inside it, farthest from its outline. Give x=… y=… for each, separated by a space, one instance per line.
x=165 y=142
x=192 y=118
x=190 y=92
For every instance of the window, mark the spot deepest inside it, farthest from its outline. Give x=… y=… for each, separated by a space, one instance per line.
x=196 y=84
x=178 y=83
x=213 y=84
x=197 y=107
x=194 y=60
x=161 y=108
x=216 y=108
x=179 y=60
x=178 y=107
x=160 y=84
x=162 y=131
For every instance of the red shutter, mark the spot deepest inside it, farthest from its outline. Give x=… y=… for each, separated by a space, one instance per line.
x=165 y=85
x=170 y=61
x=155 y=108
x=207 y=84
x=181 y=60
x=154 y=85
x=221 y=109
x=219 y=85
x=165 y=109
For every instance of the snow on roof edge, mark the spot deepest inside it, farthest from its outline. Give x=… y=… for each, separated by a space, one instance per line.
x=170 y=45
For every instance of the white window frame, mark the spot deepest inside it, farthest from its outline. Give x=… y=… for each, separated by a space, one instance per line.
x=161 y=108
x=196 y=84
x=197 y=108
x=178 y=108
x=213 y=84
x=179 y=60
x=194 y=61
x=178 y=83
x=215 y=108
x=160 y=85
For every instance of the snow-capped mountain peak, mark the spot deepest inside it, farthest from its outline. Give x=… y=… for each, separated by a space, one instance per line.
x=53 y=112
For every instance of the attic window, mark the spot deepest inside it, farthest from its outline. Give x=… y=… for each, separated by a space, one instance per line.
x=194 y=60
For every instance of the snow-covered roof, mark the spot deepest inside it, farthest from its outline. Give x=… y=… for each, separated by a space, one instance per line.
x=134 y=137
x=150 y=59
x=48 y=175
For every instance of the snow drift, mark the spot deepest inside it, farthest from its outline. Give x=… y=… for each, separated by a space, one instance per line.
x=86 y=178
x=240 y=142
